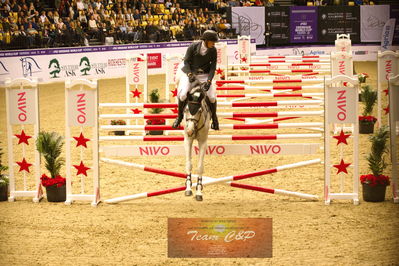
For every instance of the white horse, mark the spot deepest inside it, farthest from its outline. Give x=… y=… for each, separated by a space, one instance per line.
x=196 y=117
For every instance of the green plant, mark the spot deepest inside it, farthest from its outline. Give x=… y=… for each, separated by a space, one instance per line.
x=154 y=98
x=3 y=178
x=369 y=97
x=49 y=144
x=362 y=77
x=118 y=122
x=376 y=160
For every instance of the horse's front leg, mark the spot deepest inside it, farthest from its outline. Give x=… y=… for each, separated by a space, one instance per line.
x=188 y=145
x=202 y=145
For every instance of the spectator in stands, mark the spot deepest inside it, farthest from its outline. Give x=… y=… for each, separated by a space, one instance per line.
x=93 y=28
x=31 y=35
x=169 y=20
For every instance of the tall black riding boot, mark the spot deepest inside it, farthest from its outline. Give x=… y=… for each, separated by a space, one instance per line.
x=215 y=121
x=181 y=106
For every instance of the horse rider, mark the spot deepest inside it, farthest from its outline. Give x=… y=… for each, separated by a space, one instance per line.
x=199 y=64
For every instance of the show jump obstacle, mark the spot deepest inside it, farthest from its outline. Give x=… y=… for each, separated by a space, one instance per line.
x=388 y=65
x=22 y=107
x=81 y=103
x=341 y=108
x=394 y=133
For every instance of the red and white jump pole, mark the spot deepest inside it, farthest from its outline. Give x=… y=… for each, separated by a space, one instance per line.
x=213 y=181
x=212 y=137
x=278 y=71
x=247 y=87
x=275 y=95
x=224 y=104
x=297 y=57
x=222 y=126
x=227 y=114
x=291 y=61
x=270 y=80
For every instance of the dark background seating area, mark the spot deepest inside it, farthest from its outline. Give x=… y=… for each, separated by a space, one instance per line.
x=26 y=24
x=45 y=23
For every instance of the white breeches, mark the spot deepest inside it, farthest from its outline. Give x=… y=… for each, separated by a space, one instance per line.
x=184 y=86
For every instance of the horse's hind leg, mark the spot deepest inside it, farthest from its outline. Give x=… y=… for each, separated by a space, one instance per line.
x=202 y=145
x=188 y=144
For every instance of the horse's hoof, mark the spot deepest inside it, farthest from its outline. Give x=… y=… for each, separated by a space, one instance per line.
x=198 y=197
x=188 y=193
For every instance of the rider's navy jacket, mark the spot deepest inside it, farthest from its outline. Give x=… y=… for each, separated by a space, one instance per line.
x=194 y=62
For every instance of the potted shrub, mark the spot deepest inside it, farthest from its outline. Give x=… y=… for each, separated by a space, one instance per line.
x=3 y=180
x=118 y=122
x=374 y=185
x=154 y=98
x=366 y=120
x=362 y=77
x=49 y=144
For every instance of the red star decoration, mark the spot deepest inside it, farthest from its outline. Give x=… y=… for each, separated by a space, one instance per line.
x=136 y=93
x=342 y=167
x=386 y=92
x=175 y=110
x=81 y=169
x=219 y=71
x=243 y=59
x=386 y=110
x=24 y=165
x=81 y=140
x=23 y=138
x=342 y=137
x=174 y=92
x=136 y=111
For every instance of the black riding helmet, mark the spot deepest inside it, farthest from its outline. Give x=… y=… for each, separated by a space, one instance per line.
x=210 y=35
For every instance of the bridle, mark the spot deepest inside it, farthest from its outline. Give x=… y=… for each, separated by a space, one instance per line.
x=199 y=114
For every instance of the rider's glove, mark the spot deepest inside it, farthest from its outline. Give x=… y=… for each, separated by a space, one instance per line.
x=207 y=85
x=191 y=77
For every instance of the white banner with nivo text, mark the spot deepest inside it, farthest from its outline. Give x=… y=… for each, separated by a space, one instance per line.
x=136 y=71
x=22 y=107
x=342 y=64
x=341 y=105
x=388 y=66
x=222 y=149
x=81 y=108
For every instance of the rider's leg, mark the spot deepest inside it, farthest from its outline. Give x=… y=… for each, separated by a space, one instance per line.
x=212 y=103
x=183 y=88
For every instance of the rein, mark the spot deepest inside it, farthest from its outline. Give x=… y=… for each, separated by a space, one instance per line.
x=196 y=121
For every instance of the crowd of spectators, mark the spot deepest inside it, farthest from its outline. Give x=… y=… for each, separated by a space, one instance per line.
x=41 y=23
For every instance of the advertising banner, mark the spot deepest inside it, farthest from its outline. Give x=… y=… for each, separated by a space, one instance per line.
x=22 y=109
x=81 y=108
x=58 y=64
x=372 y=21
x=249 y=21
x=387 y=34
x=341 y=107
x=220 y=238
x=333 y=20
x=278 y=20
x=303 y=24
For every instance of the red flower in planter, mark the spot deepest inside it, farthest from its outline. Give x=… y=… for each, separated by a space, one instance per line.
x=367 y=118
x=59 y=181
x=373 y=180
x=159 y=121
